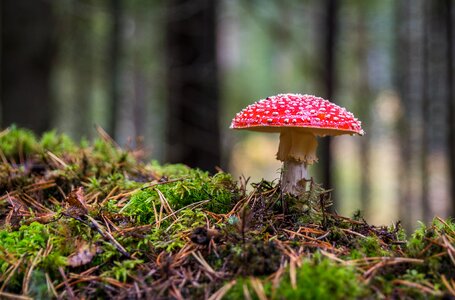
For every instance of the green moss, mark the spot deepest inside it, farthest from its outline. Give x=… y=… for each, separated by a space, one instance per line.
x=170 y=235
x=370 y=246
x=322 y=279
x=122 y=270
x=24 y=245
x=58 y=143
x=15 y=142
x=317 y=278
x=171 y=171
x=215 y=193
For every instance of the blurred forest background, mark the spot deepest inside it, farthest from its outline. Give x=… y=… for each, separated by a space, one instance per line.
x=175 y=72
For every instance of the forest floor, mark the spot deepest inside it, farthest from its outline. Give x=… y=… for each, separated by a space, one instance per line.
x=92 y=220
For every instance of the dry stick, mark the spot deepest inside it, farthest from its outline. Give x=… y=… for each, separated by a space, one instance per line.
x=258 y=288
x=353 y=232
x=57 y=160
x=109 y=196
x=198 y=256
x=422 y=288
x=176 y=293
x=108 y=222
x=333 y=257
x=35 y=203
x=30 y=188
x=65 y=282
x=165 y=203
x=108 y=236
x=105 y=136
x=293 y=274
x=5 y=295
x=450 y=248
x=50 y=286
x=218 y=295
x=28 y=273
x=449 y=285
x=81 y=278
x=390 y=261
x=10 y=275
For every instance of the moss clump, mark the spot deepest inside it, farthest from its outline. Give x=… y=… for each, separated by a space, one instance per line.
x=215 y=193
x=316 y=278
x=17 y=143
x=57 y=143
x=32 y=244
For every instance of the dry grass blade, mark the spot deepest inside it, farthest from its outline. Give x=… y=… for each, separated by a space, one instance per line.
x=246 y=292
x=333 y=257
x=449 y=285
x=450 y=248
x=353 y=233
x=387 y=261
x=418 y=286
x=293 y=274
x=57 y=159
x=68 y=288
x=28 y=273
x=105 y=136
x=258 y=288
x=165 y=204
x=5 y=295
x=198 y=256
x=50 y=286
x=11 y=273
x=218 y=295
x=28 y=199
x=108 y=236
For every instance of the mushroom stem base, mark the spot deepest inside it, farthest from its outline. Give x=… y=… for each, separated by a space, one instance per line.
x=293 y=177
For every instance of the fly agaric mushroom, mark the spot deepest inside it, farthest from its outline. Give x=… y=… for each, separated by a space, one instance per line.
x=299 y=119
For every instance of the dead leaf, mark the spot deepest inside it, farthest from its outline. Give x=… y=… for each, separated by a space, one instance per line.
x=76 y=205
x=83 y=255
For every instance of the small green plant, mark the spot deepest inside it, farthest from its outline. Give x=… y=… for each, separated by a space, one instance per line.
x=121 y=270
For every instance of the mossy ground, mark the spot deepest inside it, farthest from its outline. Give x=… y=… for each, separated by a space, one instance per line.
x=94 y=221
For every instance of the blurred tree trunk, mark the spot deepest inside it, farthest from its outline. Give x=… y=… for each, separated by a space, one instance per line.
x=435 y=110
x=27 y=41
x=363 y=96
x=82 y=62
x=425 y=85
x=328 y=79
x=401 y=46
x=409 y=69
x=451 y=96
x=114 y=65
x=426 y=125
x=193 y=134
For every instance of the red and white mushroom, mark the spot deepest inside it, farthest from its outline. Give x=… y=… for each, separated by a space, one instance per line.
x=299 y=119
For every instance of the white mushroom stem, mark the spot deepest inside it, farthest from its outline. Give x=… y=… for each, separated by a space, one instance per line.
x=292 y=177
x=297 y=150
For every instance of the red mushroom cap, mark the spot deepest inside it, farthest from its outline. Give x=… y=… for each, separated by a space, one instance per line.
x=306 y=112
